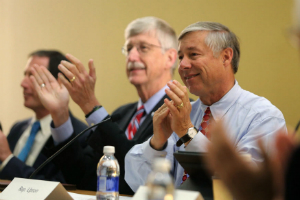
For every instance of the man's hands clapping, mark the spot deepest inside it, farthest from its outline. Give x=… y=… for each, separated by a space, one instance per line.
x=172 y=116
x=82 y=84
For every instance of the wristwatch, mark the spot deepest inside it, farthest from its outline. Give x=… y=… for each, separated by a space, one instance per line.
x=187 y=137
x=94 y=109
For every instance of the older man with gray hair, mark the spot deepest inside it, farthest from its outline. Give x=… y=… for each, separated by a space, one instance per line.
x=278 y=177
x=209 y=55
x=150 y=50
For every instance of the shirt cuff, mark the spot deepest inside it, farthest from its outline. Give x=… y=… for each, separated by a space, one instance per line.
x=4 y=163
x=97 y=116
x=63 y=132
x=150 y=153
x=198 y=143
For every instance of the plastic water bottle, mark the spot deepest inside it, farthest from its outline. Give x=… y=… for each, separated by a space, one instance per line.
x=108 y=172
x=160 y=182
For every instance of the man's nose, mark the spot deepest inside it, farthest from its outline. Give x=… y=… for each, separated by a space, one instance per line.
x=133 y=55
x=184 y=63
x=25 y=82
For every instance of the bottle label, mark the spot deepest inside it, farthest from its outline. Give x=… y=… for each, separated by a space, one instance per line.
x=108 y=184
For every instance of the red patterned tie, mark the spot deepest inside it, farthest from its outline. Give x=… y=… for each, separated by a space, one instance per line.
x=135 y=122
x=205 y=129
x=206 y=123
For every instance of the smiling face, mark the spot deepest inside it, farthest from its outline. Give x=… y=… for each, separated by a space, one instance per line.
x=147 y=65
x=31 y=99
x=200 y=71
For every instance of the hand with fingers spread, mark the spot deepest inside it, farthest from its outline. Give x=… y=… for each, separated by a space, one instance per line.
x=180 y=108
x=82 y=84
x=4 y=147
x=53 y=95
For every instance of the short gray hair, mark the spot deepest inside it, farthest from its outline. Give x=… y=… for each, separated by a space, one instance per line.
x=164 y=32
x=296 y=15
x=218 y=38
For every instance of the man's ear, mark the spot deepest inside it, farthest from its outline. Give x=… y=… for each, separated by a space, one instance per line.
x=171 y=56
x=227 y=55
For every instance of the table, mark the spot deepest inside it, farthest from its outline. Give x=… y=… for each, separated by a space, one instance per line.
x=86 y=192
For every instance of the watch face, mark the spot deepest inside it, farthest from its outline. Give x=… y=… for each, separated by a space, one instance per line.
x=192 y=132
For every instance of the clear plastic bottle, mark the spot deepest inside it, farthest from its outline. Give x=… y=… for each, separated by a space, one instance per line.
x=108 y=172
x=160 y=182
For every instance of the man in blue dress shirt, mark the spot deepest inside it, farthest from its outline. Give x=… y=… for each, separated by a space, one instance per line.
x=278 y=177
x=209 y=56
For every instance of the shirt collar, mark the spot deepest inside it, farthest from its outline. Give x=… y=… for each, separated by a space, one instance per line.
x=149 y=105
x=220 y=108
x=45 y=124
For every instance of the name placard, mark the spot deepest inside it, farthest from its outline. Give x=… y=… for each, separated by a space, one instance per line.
x=28 y=189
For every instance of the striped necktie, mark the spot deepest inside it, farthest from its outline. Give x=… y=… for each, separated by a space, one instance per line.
x=134 y=124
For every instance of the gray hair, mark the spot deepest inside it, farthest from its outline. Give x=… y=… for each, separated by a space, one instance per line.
x=164 y=32
x=296 y=15
x=218 y=38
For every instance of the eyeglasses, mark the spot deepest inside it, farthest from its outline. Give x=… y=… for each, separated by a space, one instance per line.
x=142 y=48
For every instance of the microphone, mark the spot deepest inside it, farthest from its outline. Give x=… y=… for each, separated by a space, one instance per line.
x=297 y=127
x=113 y=118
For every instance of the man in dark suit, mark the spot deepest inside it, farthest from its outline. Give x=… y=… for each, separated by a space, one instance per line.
x=24 y=150
x=150 y=49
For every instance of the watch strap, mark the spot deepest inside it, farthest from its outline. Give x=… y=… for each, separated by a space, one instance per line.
x=94 y=109
x=184 y=138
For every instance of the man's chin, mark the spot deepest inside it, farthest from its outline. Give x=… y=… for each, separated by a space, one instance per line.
x=193 y=90
x=27 y=105
x=135 y=81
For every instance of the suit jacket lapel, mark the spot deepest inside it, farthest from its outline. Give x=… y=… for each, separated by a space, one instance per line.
x=124 y=121
x=148 y=120
x=16 y=132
